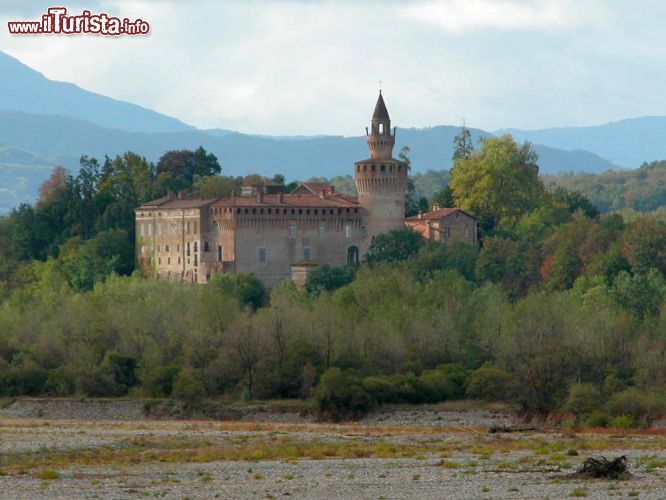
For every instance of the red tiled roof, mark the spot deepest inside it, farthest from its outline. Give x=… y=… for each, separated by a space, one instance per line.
x=314 y=187
x=170 y=202
x=435 y=214
x=335 y=200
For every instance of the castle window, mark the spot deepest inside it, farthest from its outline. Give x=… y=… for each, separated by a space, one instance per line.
x=206 y=246
x=352 y=256
x=270 y=211
x=169 y=260
x=246 y=210
x=167 y=248
x=159 y=260
x=348 y=230
x=292 y=230
x=356 y=210
x=383 y=168
x=381 y=128
x=300 y=211
x=373 y=167
x=254 y=210
x=331 y=211
x=159 y=248
x=347 y=210
x=322 y=230
x=188 y=249
x=220 y=253
x=262 y=255
x=339 y=211
x=315 y=211
x=307 y=211
x=196 y=258
x=307 y=253
x=238 y=210
x=196 y=249
x=178 y=260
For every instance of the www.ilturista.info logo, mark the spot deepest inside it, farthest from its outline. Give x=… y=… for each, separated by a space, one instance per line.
x=56 y=21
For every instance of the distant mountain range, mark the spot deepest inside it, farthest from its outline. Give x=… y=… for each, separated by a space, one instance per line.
x=44 y=123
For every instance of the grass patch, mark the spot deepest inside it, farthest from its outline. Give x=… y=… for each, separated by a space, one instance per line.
x=581 y=491
x=48 y=474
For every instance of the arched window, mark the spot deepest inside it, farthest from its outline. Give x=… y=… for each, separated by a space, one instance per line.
x=381 y=128
x=352 y=256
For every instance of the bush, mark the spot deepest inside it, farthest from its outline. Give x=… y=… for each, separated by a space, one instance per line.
x=188 y=387
x=597 y=419
x=340 y=395
x=622 y=422
x=60 y=382
x=158 y=381
x=26 y=379
x=583 y=399
x=642 y=407
x=490 y=383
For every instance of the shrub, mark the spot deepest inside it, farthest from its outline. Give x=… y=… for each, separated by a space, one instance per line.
x=340 y=395
x=642 y=407
x=158 y=381
x=25 y=379
x=622 y=422
x=188 y=387
x=597 y=419
x=583 y=399
x=490 y=383
x=60 y=382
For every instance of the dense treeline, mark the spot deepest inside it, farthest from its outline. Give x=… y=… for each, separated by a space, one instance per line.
x=642 y=189
x=561 y=308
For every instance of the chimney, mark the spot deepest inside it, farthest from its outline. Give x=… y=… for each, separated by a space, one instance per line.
x=436 y=206
x=420 y=214
x=281 y=197
x=260 y=196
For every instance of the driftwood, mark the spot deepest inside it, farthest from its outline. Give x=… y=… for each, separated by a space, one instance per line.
x=515 y=428
x=594 y=468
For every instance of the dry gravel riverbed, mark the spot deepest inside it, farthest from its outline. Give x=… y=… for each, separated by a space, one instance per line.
x=384 y=457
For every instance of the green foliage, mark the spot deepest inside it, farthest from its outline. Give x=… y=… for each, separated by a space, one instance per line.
x=490 y=383
x=583 y=399
x=245 y=287
x=340 y=395
x=622 y=422
x=394 y=246
x=597 y=419
x=639 y=406
x=188 y=387
x=499 y=182
x=329 y=279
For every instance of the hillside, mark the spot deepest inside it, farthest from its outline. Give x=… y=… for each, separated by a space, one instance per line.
x=49 y=140
x=24 y=89
x=643 y=189
x=626 y=142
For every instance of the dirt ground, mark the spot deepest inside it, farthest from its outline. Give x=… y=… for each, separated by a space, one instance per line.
x=384 y=457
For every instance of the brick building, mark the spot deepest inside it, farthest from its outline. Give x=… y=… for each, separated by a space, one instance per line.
x=447 y=225
x=268 y=232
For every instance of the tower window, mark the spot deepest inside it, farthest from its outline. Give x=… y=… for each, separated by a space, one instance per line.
x=322 y=230
x=381 y=128
x=307 y=253
x=374 y=167
x=348 y=230
x=220 y=253
x=292 y=230
x=382 y=168
x=262 y=255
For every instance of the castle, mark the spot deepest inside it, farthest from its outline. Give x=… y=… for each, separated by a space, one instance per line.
x=276 y=235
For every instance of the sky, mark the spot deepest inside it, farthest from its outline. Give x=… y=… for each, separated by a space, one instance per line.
x=289 y=67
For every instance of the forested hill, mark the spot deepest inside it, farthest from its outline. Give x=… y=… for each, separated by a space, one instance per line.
x=642 y=189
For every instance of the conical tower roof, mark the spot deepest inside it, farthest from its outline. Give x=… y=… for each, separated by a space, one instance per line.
x=380 y=113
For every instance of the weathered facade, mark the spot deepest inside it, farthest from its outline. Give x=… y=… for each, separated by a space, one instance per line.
x=273 y=234
x=447 y=225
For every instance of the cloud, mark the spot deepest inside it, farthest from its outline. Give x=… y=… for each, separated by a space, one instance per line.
x=461 y=16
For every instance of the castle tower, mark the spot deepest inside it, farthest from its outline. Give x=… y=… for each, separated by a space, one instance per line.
x=381 y=180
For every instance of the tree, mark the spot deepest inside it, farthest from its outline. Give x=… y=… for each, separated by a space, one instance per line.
x=176 y=170
x=394 y=246
x=59 y=179
x=443 y=198
x=413 y=205
x=246 y=287
x=575 y=200
x=499 y=182
x=463 y=147
x=328 y=278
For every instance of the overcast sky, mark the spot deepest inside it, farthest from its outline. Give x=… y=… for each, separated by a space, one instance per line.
x=312 y=67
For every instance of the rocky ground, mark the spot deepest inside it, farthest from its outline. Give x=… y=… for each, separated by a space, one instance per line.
x=430 y=452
